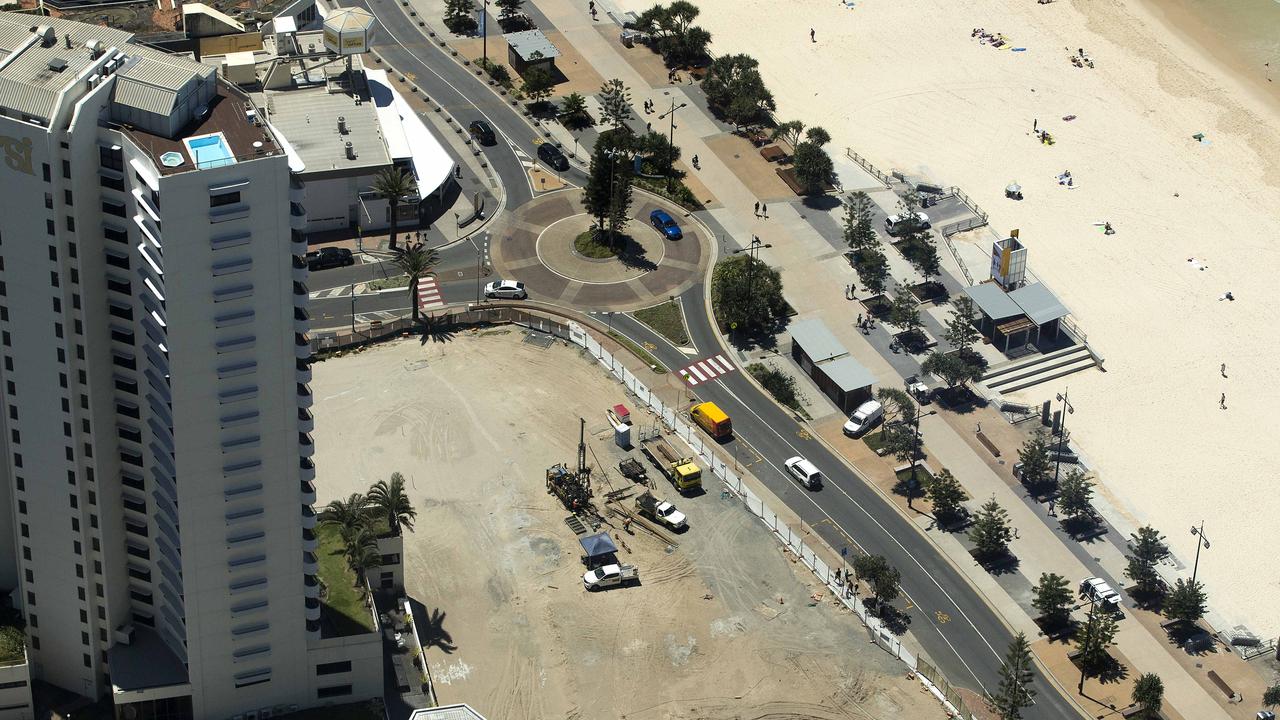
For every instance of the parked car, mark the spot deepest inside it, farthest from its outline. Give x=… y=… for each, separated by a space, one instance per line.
x=482 y=133
x=665 y=224
x=1097 y=590
x=895 y=224
x=329 y=257
x=863 y=418
x=919 y=390
x=805 y=472
x=551 y=155
x=610 y=576
x=506 y=290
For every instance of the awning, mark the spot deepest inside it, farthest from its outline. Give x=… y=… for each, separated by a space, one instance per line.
x=992 y=300
x=598 y=544
x=848 y=374
x=816 y=340
x=1038 y=303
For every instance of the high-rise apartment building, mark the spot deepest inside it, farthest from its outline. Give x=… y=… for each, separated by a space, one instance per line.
x=156 y=520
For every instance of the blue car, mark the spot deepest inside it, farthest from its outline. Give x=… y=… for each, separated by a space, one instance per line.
x=665 y=224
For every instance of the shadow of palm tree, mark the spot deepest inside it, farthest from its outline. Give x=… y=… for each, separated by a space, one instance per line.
x=440 y=330
x=430 y=629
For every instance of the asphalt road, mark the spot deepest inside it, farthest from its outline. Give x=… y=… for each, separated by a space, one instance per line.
x=959 y=633
x=957 y=630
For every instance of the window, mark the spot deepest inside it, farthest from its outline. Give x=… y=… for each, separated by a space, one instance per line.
x=110 y=158
x=113 y=208
x=49 y=227
x=333 y=691
x=44 y=167
x=66 y=197
x=48 y=201
x=110 y=182
x=71 y=224
x=66 y=169
x=221 y=199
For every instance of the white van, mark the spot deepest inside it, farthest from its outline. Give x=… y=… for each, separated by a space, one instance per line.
x=864 y=417
x=805 y=472
x=896 y=223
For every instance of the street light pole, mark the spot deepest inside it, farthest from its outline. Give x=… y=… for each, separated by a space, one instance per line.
x=752 y=252
x=1093 y=606
x=353 y=307
x=1201 y=541
x=671 y=139
x=484 y=32
x=1067 y=409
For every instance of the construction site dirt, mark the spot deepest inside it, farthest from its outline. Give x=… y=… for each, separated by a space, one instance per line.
x=724 y=625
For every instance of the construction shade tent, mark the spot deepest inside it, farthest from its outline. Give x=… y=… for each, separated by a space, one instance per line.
x=1017 y=318
x=599 y=545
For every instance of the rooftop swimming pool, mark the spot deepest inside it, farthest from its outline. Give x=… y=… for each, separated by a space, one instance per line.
x=210 y=151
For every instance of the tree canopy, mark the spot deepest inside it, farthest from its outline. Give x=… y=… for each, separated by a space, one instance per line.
x=945 y=494
x=746 y=293
x=1014 y=692
x=1034 y=456
x=1187 y=601
x=879 y=575
x=1075 y=495
x=991 y=533
x=813 y=166
x=615 y=103
x=1148 y=695
x=733 y=84
x=859 y=233
x=1148 y=548
x=674 y=34
x=1053 y=599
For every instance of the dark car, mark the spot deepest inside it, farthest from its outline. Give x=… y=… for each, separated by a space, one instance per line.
x=329 y=257
x=551 y=155
x=482 y=133
x=665 y=224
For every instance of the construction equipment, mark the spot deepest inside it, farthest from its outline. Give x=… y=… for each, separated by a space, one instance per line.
x=634 y=471
x=683 y=472
x=573 y=487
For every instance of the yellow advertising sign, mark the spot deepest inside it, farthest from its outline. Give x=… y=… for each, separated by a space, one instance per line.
x=17 y=153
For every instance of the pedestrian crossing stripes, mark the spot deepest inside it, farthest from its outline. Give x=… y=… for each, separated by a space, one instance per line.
x=707 y=369
x=341 y=291
x=429 y=293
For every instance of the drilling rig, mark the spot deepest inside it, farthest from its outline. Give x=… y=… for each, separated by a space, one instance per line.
x=573 y=487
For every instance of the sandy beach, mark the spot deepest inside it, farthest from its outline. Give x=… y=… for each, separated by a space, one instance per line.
x=905 y=84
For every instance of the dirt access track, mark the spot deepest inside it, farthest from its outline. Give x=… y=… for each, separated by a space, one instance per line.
x=723 y=626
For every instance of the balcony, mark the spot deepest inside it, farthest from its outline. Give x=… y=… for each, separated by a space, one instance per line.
x=301 y=346
x=311 y=587
x=297 y=217
x=306 y=446
x=308 y=497
x=300 y=271
x=309 y=540
x=299 y=290
x=313 y=609
x=301 y=319
x=308 y=469
x=310 y=565
x=297 y=190
x=306 y=421
x=298 y=240
x=305 y=398
x=309 y=519
x=303 y=374
x=313 y=630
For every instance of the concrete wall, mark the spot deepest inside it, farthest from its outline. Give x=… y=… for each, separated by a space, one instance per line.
x=363 y=652
x=15 y=692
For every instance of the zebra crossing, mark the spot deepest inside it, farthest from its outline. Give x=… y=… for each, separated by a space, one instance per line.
x=429 y=293
x=333 y=292
x=707 y=369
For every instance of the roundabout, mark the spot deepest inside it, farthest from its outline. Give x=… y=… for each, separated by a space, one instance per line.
x=542 y=246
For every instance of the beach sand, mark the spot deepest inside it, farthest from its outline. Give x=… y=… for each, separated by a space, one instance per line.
x=903 y=83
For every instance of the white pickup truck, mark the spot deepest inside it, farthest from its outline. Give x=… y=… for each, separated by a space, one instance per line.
x=1097 y=590
x=607 y=576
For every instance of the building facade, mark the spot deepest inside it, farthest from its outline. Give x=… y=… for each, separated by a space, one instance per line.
x=156 y=520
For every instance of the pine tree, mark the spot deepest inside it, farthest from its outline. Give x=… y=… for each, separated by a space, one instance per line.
x=960 y=334
x=1014 y=692
x=1186 y=601
x=615 y=103
x=1271 y=696
x=1098 y=636
x=858 y=230
x=1053 y=599
x=1148 y=549
x=991 y=533
x=905 y=311
x=1034 y=456
x=1075 y=492
x=945 y=494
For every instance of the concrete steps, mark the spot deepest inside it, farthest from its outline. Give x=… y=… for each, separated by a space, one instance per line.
x=1033 y=370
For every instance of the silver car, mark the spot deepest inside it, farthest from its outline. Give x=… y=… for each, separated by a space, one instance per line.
x=506 y=290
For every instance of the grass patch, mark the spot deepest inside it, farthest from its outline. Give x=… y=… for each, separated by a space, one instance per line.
x=589 y=245
x=874 y=440
x=640 y=352
x=923 y=475
x=667 y=320
x=342 y=610
x=399 y=281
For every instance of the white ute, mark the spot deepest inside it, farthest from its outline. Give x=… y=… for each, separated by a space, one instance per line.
x=607 y=576
x=1097 y=590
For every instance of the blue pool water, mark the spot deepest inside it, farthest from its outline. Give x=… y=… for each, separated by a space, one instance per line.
x=210 y=150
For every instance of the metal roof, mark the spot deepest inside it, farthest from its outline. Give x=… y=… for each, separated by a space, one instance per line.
x=27 y=99
x=144 y=96
x=308 y=119
x=848 y=374
x=993 y=301
x=1039 y=303
x=166 y=72
x=446 y=712
x=348 y=19
x=527 y=42
x=816 y=340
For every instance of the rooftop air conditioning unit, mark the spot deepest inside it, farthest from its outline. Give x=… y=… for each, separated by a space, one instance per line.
x=94 y=46
x=47 y=35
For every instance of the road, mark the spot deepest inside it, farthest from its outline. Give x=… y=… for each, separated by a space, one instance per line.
x=957 y=630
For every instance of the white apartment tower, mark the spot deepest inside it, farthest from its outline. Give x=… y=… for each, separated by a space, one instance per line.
x=156 y=488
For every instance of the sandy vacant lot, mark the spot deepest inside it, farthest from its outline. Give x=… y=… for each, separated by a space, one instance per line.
x=723 y=626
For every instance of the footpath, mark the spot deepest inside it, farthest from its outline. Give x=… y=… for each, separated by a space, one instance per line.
x=805 y=249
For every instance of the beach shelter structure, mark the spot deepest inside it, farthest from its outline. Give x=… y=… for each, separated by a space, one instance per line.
x=1017 y=318
x=841 y=378
x=530 y=49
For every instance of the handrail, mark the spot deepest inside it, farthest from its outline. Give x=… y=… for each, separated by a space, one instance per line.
x=866 y=165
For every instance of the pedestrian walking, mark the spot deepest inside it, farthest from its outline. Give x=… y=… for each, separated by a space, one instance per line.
x=1051 y=511
x=859 y=319
x=764 y=210
x=1222 y=401
x=1224 y=369
x=1015 y=534
x=757 y=208
x=812 y=35
x=1035 y=124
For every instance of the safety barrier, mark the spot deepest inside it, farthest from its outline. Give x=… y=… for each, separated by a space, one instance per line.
x=866 y=165
x=790 y=539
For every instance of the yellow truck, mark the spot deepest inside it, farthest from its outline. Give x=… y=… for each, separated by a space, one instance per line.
x=683 y=472
x=711 y=418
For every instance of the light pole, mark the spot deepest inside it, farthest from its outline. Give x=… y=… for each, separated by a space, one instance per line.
x=484 y=32
x=915 y=451
x=752 y=251
x=1068 y=409
x=1093 y=606
x=1201 y=541
x=671 y=139
x=353 y=307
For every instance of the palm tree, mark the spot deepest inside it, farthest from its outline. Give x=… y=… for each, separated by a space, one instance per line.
x=361 y=549
x=349 y=515
x=391 y=500
x=415 y=261
x=392 y=185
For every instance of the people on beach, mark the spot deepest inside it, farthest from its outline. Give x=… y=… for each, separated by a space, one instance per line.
x=764 y=210
x=1223 y=370
x=1222 y=401
x=757 y=208
x=813 y=36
